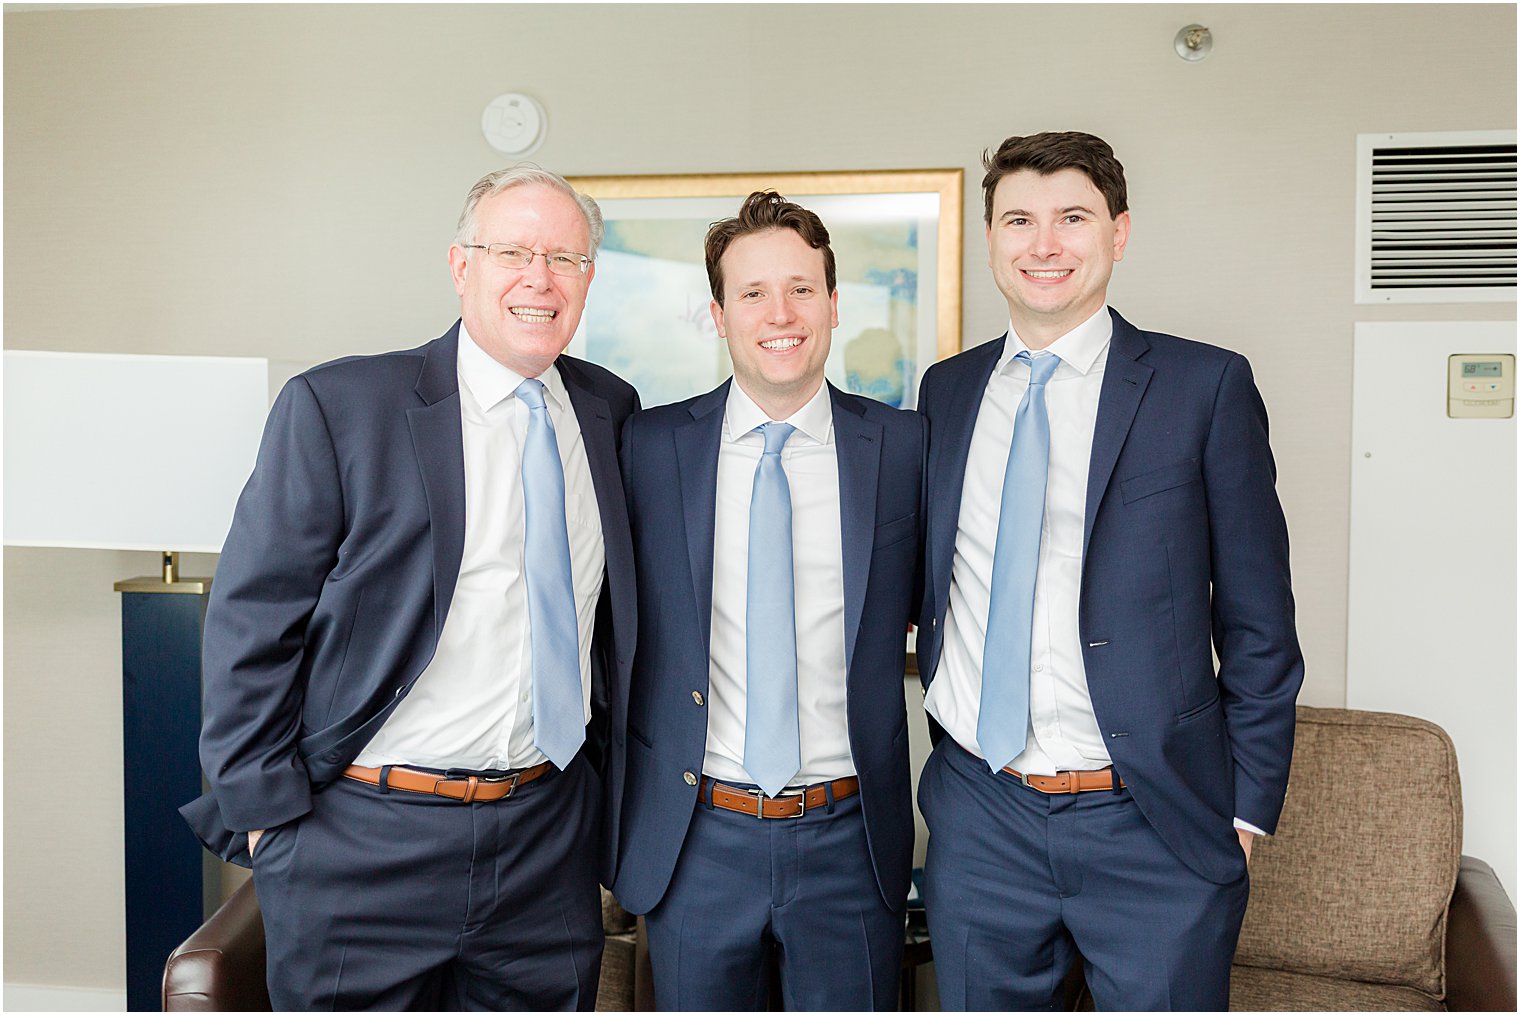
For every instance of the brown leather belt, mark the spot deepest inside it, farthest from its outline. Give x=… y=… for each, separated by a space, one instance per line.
x=795 y=805
x=470 y=789
x=1068 y=782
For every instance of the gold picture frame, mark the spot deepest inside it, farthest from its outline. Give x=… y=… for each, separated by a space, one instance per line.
x=897 y=238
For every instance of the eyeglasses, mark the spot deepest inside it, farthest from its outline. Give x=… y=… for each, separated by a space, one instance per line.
x=510 y=255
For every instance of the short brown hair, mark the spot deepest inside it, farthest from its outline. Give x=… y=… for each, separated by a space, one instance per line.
x=1052 y=152
x=762 y=211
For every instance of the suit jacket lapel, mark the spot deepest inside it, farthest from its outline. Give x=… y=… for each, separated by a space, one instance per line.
x=697 y=461
x=1124 y=383
x=438 y=441
x=951 y=437
x=594 y=417
x=857 y=446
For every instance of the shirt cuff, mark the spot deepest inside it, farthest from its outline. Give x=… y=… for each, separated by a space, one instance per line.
x=1248 y=827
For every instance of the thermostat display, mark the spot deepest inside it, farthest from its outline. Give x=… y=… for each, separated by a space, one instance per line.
x=1481 y=386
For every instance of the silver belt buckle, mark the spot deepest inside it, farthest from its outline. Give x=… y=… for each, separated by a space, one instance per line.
x=759 y=795
x=510 y=779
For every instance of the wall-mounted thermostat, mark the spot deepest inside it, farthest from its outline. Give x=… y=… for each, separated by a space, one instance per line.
x=1481 y=386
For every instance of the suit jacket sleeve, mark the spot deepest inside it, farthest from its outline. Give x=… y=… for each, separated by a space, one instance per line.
x=283 y=543
x=1260 y=665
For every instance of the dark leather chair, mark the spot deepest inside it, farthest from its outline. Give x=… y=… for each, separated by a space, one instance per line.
x=221 y=967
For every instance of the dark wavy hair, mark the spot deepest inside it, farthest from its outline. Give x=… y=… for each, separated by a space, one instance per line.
x=761 y=212
x=1052 y=152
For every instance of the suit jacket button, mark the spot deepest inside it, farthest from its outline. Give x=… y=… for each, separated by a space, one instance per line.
x=696 y=696
x=691 y=780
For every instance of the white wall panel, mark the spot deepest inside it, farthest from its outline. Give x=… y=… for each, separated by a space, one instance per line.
x=1431 y=627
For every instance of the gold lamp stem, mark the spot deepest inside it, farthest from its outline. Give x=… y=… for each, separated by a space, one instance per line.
x=171 y=567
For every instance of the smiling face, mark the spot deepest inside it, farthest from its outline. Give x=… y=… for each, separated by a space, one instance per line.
x=1052 y=246
x=777 y=316
x=523 y=318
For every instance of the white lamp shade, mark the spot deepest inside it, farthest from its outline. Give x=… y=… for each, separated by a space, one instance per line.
x=128 y=452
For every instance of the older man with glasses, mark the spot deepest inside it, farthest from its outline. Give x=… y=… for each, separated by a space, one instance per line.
x=421 y=612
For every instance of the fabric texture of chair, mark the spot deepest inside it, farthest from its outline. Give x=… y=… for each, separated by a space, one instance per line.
x=1356 y=882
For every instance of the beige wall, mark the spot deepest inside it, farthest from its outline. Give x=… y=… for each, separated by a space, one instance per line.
x=283 y=181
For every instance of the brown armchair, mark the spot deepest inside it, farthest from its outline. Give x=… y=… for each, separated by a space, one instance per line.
x=1363 y=900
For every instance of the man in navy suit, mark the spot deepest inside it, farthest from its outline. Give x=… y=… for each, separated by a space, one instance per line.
x=765 y=803
x=1104 y=518
x=425 y=597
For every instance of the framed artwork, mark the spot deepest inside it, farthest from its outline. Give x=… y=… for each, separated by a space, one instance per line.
x=896 y=237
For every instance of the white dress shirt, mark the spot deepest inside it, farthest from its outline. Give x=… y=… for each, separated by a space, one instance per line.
x=812 y=472
x=473 y=705
x=1063 y=732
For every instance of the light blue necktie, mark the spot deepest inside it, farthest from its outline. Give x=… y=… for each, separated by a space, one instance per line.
x=1004 y=716
x=772 y=754
x=559 y=725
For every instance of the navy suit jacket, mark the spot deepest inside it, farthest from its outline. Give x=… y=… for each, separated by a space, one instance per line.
x=1185 y=551
x=336 y=578
x=670 y=468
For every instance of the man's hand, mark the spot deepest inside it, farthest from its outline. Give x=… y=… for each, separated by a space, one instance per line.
x=253 y=840
x=1246 y=839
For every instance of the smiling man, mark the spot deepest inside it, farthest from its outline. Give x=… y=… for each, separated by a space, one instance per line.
x=413 y=637
x=766 y=807
x=1105 y=521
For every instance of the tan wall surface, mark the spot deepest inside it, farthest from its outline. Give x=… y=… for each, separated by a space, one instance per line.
x=283 y=182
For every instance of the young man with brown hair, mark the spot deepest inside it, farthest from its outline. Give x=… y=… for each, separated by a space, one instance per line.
x=1105 y=518
x=765 y=807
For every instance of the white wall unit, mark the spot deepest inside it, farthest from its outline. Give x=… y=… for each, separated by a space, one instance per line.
x=1431 y=625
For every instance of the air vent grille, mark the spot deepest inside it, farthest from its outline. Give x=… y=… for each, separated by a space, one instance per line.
x=1436 y=217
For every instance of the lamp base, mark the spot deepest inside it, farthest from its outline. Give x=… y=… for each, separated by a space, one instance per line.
x=165 y=866
x=169 y=581
x=154 y=583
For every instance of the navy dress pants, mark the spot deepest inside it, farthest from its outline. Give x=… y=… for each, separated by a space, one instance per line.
x=803 y=889
x=1018 y=881
x=403 y=901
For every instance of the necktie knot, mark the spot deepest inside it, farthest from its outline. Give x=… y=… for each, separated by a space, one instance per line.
x=1041 y=368
x=531 y=392
x=775 y=435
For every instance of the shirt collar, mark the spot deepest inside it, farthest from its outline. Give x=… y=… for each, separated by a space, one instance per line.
x=490 y=382
x=1080 y=348
x=815 y=420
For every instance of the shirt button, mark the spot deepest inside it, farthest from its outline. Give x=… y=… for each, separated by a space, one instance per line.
x=524 y=698
x=696 y=696
x=691 y=780
x=1039 y=667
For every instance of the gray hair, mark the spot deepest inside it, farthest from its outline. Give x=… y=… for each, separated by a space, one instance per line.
x=522 y=174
